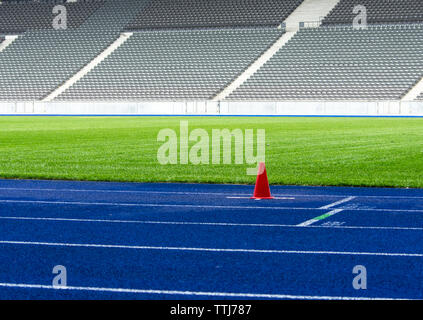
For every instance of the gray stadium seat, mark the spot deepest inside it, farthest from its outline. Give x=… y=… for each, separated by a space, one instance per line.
x=22 y=16
x=378 y=11
x=173 y=65
x=38 y=62
x=189 y=14
x=339 y=63
x=192 y=49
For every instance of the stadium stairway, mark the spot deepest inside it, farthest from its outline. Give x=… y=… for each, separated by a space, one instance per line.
x=415 y=92
x=255 y=66
x=8 y=40
x=87 y=68
x=309 y=11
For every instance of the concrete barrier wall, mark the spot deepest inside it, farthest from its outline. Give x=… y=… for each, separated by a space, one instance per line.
x=389 y=108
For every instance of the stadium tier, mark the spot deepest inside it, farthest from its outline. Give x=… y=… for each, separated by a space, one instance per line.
x=340 y=63
x=220 y=50
x=40 y=61
x=22 y=16
x=169 y=14
x=183 y=65
x=378 y=11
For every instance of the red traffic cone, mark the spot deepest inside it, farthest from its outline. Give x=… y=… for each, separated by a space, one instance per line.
x=262 y=189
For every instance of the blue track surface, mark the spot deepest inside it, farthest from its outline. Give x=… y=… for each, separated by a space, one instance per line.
x=185 y=241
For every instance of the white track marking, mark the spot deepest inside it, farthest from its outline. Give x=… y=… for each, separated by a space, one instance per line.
x=314 y=220
x=220 y=250
x=123 y=191
x=218 y=224
x=201 y=193
x=239 y=197
x=143 y=204
x=185 y=293
x=194 y=206
x=275 y=198
x=337 y=202
x=223 y=224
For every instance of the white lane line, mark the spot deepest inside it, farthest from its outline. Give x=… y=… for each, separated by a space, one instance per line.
x=196 y=206
x=203 y=193
x=337 y=202
x=223 y=224
x=123 y=191
x=219 y=224
x=143 y=204
x=275 y=198
x=220 y=250
x=185 y=293
x=319 y=218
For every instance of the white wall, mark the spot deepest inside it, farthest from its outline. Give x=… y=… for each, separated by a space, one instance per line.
x=393 y=108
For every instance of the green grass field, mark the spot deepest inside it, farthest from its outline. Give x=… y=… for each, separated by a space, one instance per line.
x=300 y=151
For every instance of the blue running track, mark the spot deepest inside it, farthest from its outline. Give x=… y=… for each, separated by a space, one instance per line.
x=186 y=241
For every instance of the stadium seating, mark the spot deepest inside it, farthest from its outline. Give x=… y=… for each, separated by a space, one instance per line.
x=23 y=16
x=193 y=49
x=339 y=63
x=378 y=11
x=168 y=14
x=40 y=61
x=173 y=65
